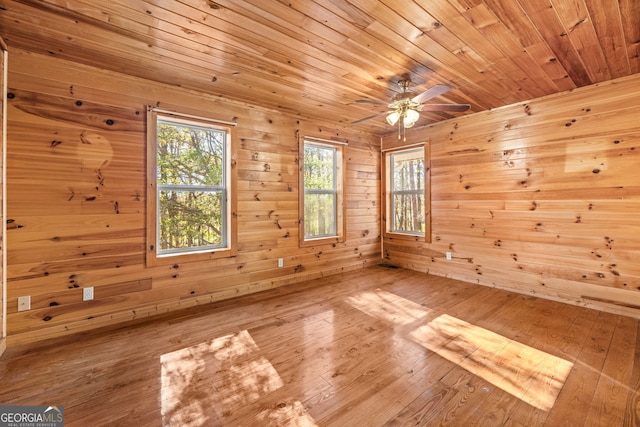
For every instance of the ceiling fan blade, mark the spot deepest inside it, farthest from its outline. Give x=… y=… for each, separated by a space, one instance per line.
x=431 y=93
x=366 y=101
x=446 y=107
x=368 y=118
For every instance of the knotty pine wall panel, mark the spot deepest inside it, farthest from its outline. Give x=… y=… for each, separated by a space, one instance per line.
x=3 y=227
x=539 y=197
x=77 y=201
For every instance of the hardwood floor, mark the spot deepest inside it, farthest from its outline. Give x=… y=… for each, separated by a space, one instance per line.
x=375 y=347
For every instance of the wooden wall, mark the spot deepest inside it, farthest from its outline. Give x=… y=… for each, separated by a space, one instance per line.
x=3 y=226
x=540 y=197
x=73 y=225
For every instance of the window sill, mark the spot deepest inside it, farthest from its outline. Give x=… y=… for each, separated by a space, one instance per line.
x=154 y=260
x=323 y=241
x=403 y=236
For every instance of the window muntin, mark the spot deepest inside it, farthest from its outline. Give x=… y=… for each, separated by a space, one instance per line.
x=406 y=212
x=192 y=185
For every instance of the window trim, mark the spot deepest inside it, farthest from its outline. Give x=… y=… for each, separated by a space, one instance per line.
x=387 y=233
x=230 y=249
x=340 y=185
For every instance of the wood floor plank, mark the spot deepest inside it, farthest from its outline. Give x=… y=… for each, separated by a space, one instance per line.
x=378 y=347
x=574 y=401
x=632 y=410
x=612 y=392
x=421 y=410
x=467 y=401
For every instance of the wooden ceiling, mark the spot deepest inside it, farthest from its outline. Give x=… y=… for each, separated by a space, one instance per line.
x=315 y=58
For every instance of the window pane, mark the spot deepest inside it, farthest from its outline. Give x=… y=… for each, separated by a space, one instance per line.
x=408 y=171
x=190 y=155
x=320 y=190
x=319 y=215
x=407 y=192
x=190 y=219
x=408 y=212
x=319 y=167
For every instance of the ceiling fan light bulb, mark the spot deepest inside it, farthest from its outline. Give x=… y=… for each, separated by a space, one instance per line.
x=392 y=118
x=410 y=118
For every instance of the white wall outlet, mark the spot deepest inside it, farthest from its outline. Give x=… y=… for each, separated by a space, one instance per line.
x=448 y=256
x=24 y=303
x=280 y=262
x=87 y=293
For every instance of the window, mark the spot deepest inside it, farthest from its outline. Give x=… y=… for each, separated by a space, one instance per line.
x=190 y=198
x=321 y=183
x=407 y=201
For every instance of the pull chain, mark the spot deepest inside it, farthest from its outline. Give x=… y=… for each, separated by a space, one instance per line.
x=402 y=131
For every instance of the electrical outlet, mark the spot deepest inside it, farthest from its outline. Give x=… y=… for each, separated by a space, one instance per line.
x=280 y=262
x=448 y=256
x=87 y=293
x=24 y=303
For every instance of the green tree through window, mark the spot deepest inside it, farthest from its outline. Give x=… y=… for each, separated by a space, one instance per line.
x=192 y=186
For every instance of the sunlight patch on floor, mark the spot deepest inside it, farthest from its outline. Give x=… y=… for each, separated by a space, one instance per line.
x=208 y=382
x=388 y=307
x=534 y=376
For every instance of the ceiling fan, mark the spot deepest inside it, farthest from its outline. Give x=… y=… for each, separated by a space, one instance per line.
x=405 y=106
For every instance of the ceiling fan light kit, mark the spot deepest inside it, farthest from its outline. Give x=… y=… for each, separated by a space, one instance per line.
x=406 y=105
x=392 y=118
x=410 y=118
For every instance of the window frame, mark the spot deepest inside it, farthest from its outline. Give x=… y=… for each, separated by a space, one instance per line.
x=229 y=247
x=387 y=195
x=339 y=183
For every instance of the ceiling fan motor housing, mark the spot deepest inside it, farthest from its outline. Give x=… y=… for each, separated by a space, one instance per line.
x=403 y=101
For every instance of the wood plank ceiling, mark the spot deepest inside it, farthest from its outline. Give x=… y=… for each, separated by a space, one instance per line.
x=315 y=58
